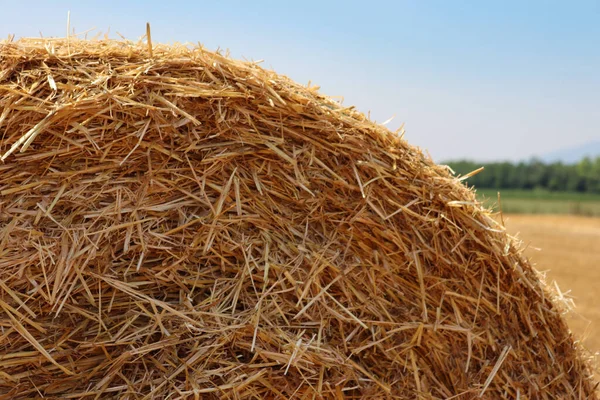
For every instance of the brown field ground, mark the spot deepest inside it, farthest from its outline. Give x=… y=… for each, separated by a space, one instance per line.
x=567 y=248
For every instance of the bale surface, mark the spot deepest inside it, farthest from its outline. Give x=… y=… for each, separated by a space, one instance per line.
x=184 y=225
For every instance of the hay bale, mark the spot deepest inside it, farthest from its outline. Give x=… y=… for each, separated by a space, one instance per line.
x=187 y=225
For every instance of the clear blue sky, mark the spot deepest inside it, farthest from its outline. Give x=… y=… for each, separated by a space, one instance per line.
x=476 y=79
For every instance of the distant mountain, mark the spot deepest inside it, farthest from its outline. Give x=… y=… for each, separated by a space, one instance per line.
x=574 y=154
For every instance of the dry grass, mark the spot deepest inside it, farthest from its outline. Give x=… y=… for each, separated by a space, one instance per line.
x=176 y=224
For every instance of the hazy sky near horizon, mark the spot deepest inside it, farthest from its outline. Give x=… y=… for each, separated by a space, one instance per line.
x=470 y=79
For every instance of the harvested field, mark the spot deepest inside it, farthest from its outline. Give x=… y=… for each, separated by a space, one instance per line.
x=177 y=224
x=568 y=248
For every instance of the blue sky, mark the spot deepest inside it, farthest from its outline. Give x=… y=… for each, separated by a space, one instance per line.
x=470 y=79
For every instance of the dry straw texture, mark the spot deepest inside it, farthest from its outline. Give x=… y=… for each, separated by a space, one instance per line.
x=184 y=225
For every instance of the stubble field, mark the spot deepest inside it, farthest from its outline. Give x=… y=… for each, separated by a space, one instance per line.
x=567 y=248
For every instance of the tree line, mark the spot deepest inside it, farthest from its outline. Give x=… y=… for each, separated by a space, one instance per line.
x=581 y=177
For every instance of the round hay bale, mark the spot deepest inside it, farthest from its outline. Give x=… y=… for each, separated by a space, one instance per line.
x=178 y=224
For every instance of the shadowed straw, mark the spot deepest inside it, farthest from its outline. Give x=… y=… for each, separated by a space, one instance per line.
x=183 y=225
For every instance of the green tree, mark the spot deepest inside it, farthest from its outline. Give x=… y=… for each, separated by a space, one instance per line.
x=581 y=177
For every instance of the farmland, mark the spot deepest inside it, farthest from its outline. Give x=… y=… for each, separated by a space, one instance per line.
x=515 y=201
x=567 y=248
